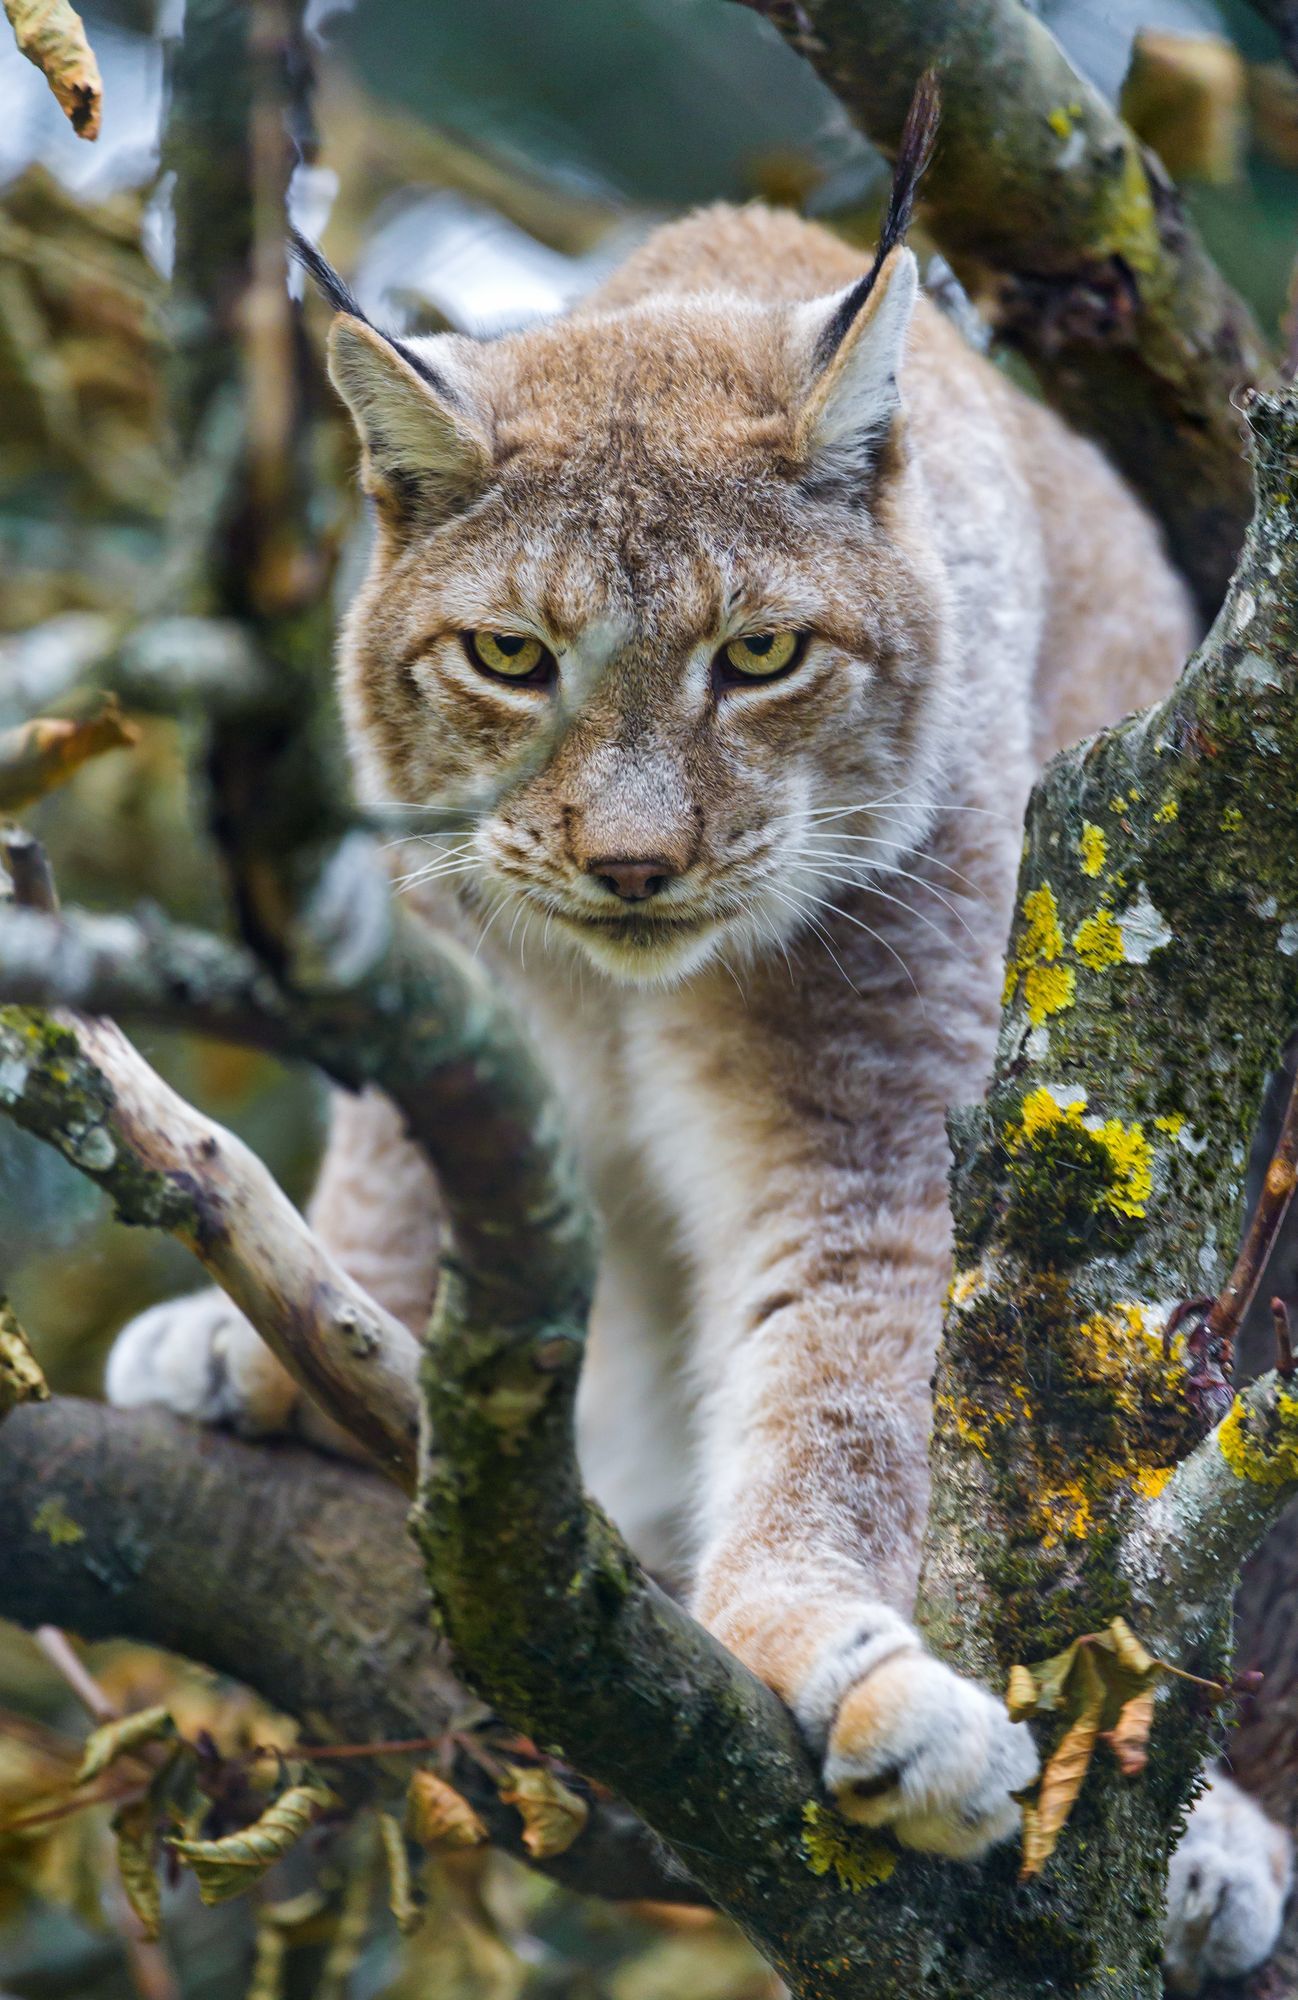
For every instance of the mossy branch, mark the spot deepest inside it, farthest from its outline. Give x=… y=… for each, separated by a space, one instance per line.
x=289 y=1571
x=1039 y=191
x=1210 y=1516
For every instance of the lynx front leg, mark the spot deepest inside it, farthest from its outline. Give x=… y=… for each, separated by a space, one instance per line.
x=375 y=1208
x=816 y=1441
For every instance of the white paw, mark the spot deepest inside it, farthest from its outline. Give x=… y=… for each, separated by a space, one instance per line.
x=199 y=1357
x=913 y=1746
x=1227 y=1887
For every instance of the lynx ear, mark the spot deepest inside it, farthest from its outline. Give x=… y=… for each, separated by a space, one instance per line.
x=427 y=443
x=851 y=353
x=849 y=347
x=427 y=448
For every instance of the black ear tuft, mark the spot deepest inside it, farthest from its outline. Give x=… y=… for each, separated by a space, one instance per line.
x=331 y=287
x=337 y=293
x=918 y=138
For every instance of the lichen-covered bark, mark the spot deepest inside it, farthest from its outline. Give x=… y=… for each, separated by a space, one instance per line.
x=1150 y=993
x=1098 y=273
x=287 y=1570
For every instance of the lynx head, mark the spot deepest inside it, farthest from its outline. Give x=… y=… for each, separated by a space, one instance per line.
x=652 y=593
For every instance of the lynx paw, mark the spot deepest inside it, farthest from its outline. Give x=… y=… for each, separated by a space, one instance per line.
x=1226 y=1890
x=911 y=1745
x=199 y=1357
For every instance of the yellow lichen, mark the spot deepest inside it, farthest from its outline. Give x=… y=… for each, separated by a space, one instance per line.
x=1048 y=987
x=1059 y=121
x=1129 y=1152
x=1232 y=820
x=964 y=1285
x=1148 y=1481
x=1093 y=847
x=1172 y=1124
x=1047 y=990
x=1133 y=1159
x=1065 y=1511
x=1267 y=1462
x=1119 y=1349
x=858 y=1860
x=1166 y=812
x=1098 y=941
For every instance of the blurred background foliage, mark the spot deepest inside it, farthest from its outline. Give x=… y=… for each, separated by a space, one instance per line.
x=477 y=166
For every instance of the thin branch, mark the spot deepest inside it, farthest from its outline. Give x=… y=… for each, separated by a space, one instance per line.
x=82 y=1087
x=1276 y=1193
x=1212 y=1513
x=68 y=1664
x=29 y=869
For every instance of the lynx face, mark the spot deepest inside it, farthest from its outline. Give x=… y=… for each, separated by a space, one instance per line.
x=650 y=590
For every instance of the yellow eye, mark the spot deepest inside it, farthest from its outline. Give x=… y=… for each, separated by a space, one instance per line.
x=511 y=654
x=761 y=655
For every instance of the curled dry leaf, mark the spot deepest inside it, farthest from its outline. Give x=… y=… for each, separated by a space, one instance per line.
x=134 y=1833
x=53 y=36
x=552 y=1815
x=401 y=1900
x=437 y=1816
x=1129 y=1737
x=1061 y=1780
x=226 y=1867
x=117 y=1739
x=1104 y=1685
x=21 y=1380
x=40 y=755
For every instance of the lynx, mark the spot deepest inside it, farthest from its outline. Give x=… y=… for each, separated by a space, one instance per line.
x=745 y=602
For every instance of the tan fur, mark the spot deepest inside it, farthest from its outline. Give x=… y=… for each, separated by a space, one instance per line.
x=758 y=1065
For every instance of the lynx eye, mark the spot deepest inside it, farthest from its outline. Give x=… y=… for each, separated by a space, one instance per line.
x=513 y=656
x=759 y=656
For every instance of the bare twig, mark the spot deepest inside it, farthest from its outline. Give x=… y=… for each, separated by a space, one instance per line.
x=67 y=1662
x=29 y=869
x=84 y=1088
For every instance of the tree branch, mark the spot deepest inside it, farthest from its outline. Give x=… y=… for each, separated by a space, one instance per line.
x=83 y=1088
x=267 y=1562
x=1099 y=275
x=1215 y=1509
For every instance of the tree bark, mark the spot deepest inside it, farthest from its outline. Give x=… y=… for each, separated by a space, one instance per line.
x=1095 y=271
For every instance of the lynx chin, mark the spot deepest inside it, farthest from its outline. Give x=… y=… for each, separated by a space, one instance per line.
x=736 y=612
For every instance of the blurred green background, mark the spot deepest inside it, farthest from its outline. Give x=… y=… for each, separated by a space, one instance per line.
x=476 y=166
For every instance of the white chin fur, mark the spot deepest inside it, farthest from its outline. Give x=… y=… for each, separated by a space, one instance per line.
x=662 y=962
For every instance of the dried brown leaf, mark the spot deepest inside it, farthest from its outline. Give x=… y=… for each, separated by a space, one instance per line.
x=38 y=756
x=227 y=1867
x=1022 y=1696
x=552 y=1815
x=438 y=1816
x=401 y=1899
x=116 y=1739
x=134 y=1832
x=1129 y=1737
x=52 y=35
x=21 y=1380
x=1045 y=1817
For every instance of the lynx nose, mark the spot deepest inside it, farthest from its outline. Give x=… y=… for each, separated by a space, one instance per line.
x=633 y=880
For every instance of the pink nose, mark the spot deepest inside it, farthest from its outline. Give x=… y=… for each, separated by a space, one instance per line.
x=633 y=880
